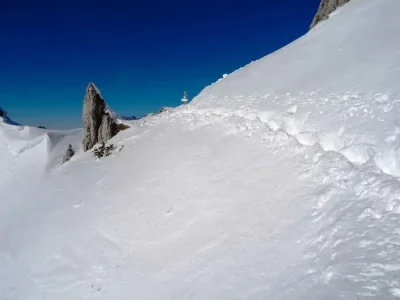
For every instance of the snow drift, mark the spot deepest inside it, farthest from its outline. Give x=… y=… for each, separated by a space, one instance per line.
x=278 y=182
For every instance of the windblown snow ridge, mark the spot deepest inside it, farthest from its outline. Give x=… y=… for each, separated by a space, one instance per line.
x=46 y=147
x=361 y=128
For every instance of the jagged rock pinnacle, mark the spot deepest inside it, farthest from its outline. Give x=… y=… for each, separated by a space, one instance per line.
x=97 y=123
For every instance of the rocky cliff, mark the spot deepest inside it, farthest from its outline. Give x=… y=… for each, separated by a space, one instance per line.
x=325 y=8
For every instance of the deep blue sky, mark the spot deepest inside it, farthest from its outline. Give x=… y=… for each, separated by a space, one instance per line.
x=141 y=54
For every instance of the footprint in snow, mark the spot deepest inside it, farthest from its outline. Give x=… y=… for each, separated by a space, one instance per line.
x=168 y=211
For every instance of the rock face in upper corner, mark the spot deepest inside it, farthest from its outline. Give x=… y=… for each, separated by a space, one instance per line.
x=97 y=123
x=325 y=8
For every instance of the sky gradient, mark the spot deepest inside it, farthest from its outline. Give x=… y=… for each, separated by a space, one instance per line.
x=141 y=55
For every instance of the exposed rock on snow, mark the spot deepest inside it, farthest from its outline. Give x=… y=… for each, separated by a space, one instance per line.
x=2 y=113
x=163 y=109
x=68 y=154
x=108 y=128
x=325 y=8
x=97 y=123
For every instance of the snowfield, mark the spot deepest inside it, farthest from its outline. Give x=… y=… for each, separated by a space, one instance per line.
x=280 y=181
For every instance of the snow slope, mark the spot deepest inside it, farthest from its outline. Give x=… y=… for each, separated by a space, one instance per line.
x=343 y=73
x=278 y=182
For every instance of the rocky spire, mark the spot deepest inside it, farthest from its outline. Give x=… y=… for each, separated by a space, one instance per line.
x=97 y=122
x=325 y=8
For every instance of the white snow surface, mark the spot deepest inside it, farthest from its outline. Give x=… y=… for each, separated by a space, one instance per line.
x=281 y=181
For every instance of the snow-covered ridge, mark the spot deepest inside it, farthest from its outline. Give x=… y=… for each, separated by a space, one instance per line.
x=337 y=84
x=17 y=140
x=354 y=51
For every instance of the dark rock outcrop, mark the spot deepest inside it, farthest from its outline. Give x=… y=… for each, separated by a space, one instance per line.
x=163 y=109
x=6 y=119
x=325 y=8
x=97 y=122
x=130 y=118
x=3 y=113
x=68 y=154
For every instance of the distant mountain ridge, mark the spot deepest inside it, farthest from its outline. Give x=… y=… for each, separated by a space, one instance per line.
x=6 y=119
